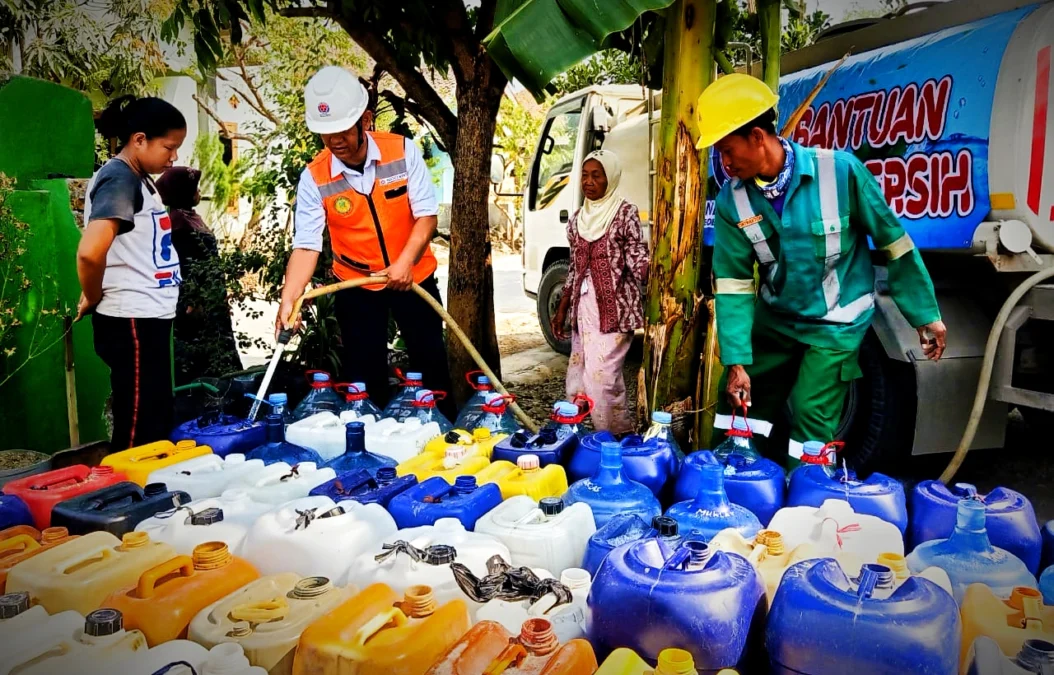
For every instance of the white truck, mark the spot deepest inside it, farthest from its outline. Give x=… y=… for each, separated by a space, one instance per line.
x=952 y=109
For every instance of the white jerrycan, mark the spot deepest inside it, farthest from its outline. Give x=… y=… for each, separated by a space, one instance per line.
x=279 y=483
x=315 y=536
x=855 y=533
x=226 y=518
x=421 y=556
x=206 y=476
x=400 y=440
x=325 y=432
x=544 y=534
x=69 y=643
x=177 y=657
x=569 y=620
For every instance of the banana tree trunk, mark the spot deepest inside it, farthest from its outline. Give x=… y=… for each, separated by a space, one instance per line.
x=769 y=23
x=676 y=314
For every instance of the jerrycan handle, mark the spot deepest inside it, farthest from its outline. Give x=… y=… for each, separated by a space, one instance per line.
x=499 y=407
x=148 y=581
x=60 y=478
x=473 y=376
x=23 y=542
x=511 y=655
x=275 y=609
x=740 y=433
x=371 y=627
x=119 y=492
x=529 y=517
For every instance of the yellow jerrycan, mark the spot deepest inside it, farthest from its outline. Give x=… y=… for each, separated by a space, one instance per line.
x=478 y=442
x=378 y=633
x=457 y=460
x=267 y=617
x=1009 y=622
x=672 y=661
x=525 y=477
x=139 y=462
x=81 y=573
x=23 y=547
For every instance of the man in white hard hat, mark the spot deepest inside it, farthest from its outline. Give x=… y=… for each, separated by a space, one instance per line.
x=374 y=193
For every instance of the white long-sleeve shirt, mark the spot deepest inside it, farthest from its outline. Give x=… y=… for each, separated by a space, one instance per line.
x=309 y=219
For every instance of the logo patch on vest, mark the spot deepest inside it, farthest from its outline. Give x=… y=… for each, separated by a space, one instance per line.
x=342 y=205
x=392 y=179
x=748 y=222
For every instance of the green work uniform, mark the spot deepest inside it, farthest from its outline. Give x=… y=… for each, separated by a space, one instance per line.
x=816 y=301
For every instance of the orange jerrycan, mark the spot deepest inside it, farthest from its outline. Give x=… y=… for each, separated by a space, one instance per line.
x=167 y=596
x=79 y=574
x=268 y=616
x=672 y=661
x=378 y=633
x=1008 y=622
x=489 y=649
x=138 y=463
x=24 y=547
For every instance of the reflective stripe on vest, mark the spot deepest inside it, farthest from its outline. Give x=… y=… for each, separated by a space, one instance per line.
x=746 y=213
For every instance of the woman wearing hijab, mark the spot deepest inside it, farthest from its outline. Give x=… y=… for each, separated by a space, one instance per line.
x=609 y=265
x=204 y=337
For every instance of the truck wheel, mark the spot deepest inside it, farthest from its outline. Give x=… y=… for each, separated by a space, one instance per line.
x=549 y=291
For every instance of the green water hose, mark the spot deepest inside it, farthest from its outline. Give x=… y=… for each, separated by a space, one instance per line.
x=981 y=396
x=294 y=315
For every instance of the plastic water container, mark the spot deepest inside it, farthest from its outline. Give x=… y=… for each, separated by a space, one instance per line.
x=489 y=648
x=610 y=491
x=651 y=463
x=480 y=442
x=818 y=480
x=969 y=557
x=435 y=499
x=316 y=536
x=267 y=616
x=710 y=511
x=1036 y=657
x=626 y=528
x=823 y=622
x=321 y=397
x=42 y=491
x=400 y=440
x=179 y=657
x=1046 y=585
x=225 y=434
x=357 y=400
x=568 y=619
x=226 y=518
x=751 y=481
x=381 y=632
x=167 y=596
x=277 y=449
x=70 y=643
x=526 y=477
x=16 y=614
x=496 y=417
x=739 y=440
x=116 y=509
x=421 y=556
x=473 y=408
x=356 y=456
x=1010 y=622
x=19 y=531
x=695 y=598
x=1048 y=544
x=208 y=475
x=279 y=405
x=280 y=483
x=138 y=463
x=401 y=406
x=364 y=488
x=457 y=460
x=671 y=661
x=1009 y=518
x=661 y=432
x=13 y=511
x=80 y=574
x=546 y=445
x=425 y=410
x=543 y=534
x=23 y=547
x=325 y=432
x=864 y=536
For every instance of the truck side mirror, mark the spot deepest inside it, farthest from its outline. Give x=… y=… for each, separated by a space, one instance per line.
x=601 y=119
x=497 y=169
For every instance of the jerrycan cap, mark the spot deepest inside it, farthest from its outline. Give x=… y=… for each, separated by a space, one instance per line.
x=320 y=377
x=440 y=554
x=312 y=587
x=665 y=526
x=551 y=506
x=279 y=398
x=207 y=516
x=154 y=489
x=414 y=376
x=13 y=604
x=662 y=417
x=565 y=409
x=528 y=462
x=386 y=474
x=425 y=398
x=103 y=622
x=480 y=434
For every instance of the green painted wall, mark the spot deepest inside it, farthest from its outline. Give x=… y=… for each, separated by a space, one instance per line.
x=46 y=130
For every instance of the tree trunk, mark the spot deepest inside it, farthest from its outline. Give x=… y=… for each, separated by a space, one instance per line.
x=769 y=23
x=470 y=287
x=680 y=275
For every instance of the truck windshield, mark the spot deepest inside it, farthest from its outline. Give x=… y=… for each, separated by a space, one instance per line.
x=556 y=158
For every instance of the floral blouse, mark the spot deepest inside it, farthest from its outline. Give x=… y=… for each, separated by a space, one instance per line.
x=617 y=264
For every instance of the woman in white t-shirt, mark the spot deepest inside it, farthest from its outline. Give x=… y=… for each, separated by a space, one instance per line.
x=128 y=267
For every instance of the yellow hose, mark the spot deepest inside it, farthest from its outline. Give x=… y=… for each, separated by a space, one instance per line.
x=294 y=315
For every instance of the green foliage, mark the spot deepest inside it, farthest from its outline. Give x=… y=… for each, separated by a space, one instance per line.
x=222 y=183
x=516 y=136
x=611 y=66
x=735 y=25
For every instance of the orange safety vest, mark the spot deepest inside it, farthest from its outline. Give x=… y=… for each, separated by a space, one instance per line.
x=369 y=231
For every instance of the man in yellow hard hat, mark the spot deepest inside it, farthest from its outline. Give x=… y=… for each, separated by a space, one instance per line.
x=803 y=215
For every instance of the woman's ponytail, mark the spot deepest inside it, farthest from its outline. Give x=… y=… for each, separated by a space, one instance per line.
x=129 y=115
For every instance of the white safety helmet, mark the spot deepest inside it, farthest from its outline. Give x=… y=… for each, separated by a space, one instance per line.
x=334 y=101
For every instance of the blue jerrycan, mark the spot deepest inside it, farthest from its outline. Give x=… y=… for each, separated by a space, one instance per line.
x=651 y=462
x=624 y=528
x=356 y=456
x=364 y=487
x=434 y=498
x=225 y=434
x=276 y=449
x=752 y=481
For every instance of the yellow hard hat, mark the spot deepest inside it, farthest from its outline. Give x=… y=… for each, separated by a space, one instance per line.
x=729 y=103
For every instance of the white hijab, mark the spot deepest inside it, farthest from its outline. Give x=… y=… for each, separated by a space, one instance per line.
x=596 y=216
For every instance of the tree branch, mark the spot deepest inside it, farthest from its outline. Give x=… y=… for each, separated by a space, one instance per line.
x=262 y=106
x=485 y=18
x=461 y=38
x=306 y=13
x=223 y=125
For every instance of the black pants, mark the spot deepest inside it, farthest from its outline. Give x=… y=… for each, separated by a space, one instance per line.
x=363 y=318
x=139 y=354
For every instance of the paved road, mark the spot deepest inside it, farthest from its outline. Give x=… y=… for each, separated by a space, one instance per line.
x=508 y=286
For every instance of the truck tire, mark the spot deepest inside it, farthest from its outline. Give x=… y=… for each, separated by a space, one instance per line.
x=549 y=291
